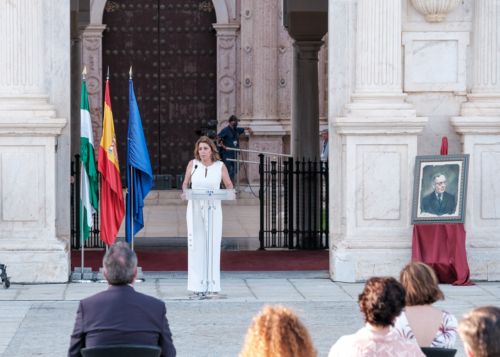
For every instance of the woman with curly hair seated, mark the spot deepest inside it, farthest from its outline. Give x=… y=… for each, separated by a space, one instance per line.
x=277 y=332
x=381 y=302
x=420 y=321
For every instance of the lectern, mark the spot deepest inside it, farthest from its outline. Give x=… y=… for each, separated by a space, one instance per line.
x=209 y=197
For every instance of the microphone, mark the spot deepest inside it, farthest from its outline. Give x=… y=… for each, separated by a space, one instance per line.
x=191 y=182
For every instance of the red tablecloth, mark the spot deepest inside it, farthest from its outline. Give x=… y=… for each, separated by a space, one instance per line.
x=442 y=246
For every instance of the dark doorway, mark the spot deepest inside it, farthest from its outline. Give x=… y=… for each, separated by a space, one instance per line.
x=172 y=47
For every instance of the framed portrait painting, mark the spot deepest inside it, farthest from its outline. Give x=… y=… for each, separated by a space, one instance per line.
x=440 y=189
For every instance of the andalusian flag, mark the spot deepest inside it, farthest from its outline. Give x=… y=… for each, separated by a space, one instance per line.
x=88 y=179
x=112 y=206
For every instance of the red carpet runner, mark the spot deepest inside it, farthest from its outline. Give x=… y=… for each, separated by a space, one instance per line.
x=243 y=260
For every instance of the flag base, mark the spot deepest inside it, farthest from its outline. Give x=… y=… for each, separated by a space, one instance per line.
x=82 y=275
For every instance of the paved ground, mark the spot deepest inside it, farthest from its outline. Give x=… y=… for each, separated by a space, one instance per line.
x=36 y=320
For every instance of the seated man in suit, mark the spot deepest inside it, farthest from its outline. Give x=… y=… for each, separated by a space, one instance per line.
x=439 y=201
x=120 y=315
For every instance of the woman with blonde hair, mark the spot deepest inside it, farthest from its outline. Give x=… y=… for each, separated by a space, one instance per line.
x=420 y=321
x=277 y=332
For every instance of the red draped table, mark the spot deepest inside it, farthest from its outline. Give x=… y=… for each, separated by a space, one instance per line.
x=442 y=246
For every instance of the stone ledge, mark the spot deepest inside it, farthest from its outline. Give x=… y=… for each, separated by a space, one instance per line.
x=379 y=126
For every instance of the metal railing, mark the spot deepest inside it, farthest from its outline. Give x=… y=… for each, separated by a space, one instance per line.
x=93 y=241
x=293 y=199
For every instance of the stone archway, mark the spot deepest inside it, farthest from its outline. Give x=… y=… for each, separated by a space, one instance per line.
x=226 y=26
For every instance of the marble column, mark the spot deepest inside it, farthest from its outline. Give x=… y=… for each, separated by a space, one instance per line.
x=21 y=66
x=226 y=70
x=260 y=79
x=92 y=59
x=305 y=100
x=34 y=91
x=265 y=88
x=479 y=125
x=373 y=141
x=378 y=86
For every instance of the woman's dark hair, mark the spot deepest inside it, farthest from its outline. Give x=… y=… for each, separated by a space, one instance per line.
x=382 y=300
x=209 y=142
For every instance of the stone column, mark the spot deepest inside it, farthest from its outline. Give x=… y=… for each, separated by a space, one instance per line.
x=226 y=70
x=323 y=84
x=33 y=76
x=260 y=79
x=21 y=63
x=92 y=59
x=378 y=86
x=305 y=100
x=374 y=141
x=265 y=88
x=479 y=125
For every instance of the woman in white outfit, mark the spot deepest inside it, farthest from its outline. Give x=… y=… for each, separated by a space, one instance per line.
x=205 y=171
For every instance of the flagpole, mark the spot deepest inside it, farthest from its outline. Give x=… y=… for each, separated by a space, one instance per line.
x=131 y=189
x=82 y=242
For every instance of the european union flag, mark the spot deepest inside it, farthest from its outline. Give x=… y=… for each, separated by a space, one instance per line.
x=139 y=173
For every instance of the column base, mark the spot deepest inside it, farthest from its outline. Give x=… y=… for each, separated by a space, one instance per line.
x=372 y=164
x=481 y=139
x=50 y=265
x=484 y=263
x=352 y=265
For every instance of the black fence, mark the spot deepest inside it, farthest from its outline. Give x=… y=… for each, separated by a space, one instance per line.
x=293 y=203
x=293 y=199
x=93 y=241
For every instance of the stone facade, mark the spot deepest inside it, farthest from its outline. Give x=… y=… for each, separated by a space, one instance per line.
x=399 y=80
x=34 y=140
x=388 y=105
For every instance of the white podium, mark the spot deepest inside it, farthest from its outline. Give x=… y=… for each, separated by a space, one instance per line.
x=209 y=196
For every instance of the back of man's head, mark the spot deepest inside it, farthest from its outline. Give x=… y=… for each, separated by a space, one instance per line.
x=233 y=118
x=120 y=264
x=480 y=332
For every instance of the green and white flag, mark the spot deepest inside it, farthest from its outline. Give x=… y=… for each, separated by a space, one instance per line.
x=88 y=173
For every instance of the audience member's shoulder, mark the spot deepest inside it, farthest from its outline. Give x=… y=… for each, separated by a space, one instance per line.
x=150 y=299
x=343 y=344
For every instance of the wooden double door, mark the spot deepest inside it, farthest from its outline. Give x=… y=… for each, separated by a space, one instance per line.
x=171 y=45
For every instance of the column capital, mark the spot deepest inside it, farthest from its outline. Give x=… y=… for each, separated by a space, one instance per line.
x=92 y=30
x=308 y=46
x=476 y=125
x=226 y=29
x=379 y=126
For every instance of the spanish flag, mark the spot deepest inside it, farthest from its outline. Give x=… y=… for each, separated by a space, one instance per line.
x=112 y=204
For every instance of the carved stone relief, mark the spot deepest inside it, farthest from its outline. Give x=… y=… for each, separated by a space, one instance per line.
x=92 y=59
x=247 y=58
x=226 y=70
